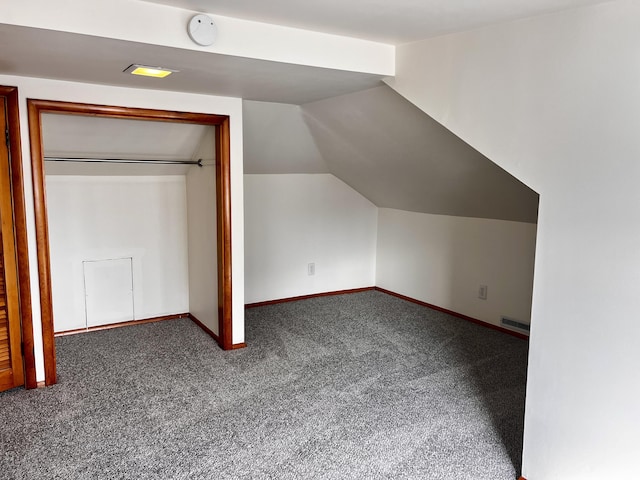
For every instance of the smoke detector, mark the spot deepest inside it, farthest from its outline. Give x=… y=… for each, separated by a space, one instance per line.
x=202 y=30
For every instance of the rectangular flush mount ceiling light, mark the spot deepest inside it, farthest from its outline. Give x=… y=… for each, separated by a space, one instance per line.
x=147 y=71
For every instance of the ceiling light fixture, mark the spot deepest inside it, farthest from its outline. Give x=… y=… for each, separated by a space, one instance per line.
x=147 y=71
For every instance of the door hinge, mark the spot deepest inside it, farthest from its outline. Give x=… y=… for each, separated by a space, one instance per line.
x=6 y=136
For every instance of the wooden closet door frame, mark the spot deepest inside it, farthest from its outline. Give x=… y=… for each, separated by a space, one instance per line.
x=10 y=94
x=223 y=206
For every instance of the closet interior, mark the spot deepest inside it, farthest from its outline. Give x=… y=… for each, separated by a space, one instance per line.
x=131 y=208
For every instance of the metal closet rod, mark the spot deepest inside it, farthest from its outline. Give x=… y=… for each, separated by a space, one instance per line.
x=124 y=160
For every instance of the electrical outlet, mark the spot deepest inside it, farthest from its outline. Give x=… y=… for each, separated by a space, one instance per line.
x=482 y=292
x=311 y=269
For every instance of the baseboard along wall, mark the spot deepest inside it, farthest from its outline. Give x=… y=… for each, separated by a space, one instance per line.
x=304 y=297
x=204 y=328
x=129 y=323
x=455 y=314
x=398 y=295
x=212 y=334
x=121 y=324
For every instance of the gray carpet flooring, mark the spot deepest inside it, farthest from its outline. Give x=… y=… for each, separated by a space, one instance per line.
x=359 y=386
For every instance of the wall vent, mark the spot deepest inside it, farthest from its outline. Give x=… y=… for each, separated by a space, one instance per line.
x=510 y=322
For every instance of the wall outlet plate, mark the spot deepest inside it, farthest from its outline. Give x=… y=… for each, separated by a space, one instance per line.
x=482 y=292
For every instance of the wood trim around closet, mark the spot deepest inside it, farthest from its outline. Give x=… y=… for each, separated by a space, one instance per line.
x=223 y=229
x=42 y=243
x=20 y=227
x=223 y=207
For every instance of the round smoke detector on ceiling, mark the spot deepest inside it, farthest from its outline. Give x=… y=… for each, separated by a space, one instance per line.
x=202 y=30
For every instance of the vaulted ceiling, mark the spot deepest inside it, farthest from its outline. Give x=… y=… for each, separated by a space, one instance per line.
x=316 y=116
x=386 y=149
x=374 y=140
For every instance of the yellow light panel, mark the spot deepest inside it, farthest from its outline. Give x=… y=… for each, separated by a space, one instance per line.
x=156 y=72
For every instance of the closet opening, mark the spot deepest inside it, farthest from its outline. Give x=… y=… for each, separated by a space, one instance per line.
x=128 y=229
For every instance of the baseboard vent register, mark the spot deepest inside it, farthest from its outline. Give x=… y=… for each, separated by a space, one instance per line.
x=509 y=322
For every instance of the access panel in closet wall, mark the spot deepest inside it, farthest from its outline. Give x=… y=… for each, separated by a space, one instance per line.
x=96 y=225
x=108 y=290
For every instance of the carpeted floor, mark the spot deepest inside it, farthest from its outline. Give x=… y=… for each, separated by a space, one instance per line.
x=360 y=386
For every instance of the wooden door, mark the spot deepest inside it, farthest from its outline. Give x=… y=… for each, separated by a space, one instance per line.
x=11 y=367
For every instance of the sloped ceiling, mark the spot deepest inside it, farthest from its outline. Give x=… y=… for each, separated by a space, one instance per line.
x=374 y=140
x=389 y=151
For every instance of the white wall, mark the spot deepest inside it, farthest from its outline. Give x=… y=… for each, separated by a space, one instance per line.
x=102 y=218
x=201 y=214
x=443 y=260
x=555 y=101
x=293 y=220
x=131 y=97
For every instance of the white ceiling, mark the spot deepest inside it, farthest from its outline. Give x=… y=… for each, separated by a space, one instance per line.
x=62 y=55
x=69 y=56
x=388 y=21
